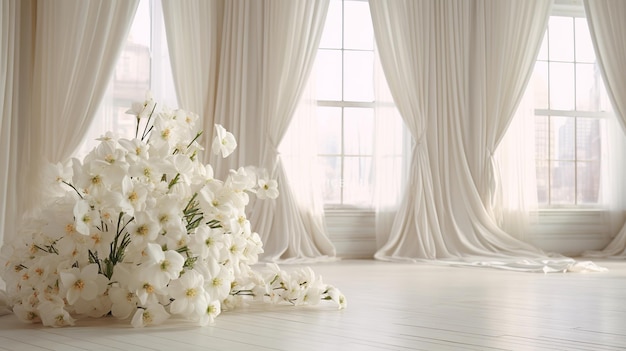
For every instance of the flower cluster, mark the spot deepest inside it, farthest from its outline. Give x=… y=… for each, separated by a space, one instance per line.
x=140 y=229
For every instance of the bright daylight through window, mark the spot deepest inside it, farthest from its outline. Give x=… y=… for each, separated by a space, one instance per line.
x=348 y=81
x=143 y=66
x=571 y=107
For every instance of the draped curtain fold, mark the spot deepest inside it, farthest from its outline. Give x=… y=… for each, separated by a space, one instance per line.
x=443 y=62
x=56 y=60
x=243 y=64
x=216 y=58
x=608 y=32
x=291 y=35
x=505 y=54
x=76 y=45
x=407 y=51
x=9 y=85
x=194 y=36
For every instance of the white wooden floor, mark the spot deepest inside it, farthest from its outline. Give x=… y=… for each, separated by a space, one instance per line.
x=390 y=307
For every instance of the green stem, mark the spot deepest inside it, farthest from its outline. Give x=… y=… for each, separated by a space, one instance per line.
x=73 y=187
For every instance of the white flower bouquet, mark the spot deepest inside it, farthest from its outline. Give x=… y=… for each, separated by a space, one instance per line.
x=141 y=230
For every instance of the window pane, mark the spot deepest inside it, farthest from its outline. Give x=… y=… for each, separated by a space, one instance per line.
x=588 y=87
x=542 y=137
x=358 y=30
x=359 y=76
x=330 y=168
x=561 y=39
x=328 y=75
x=389 y=133
x=358 y=131
x=588 y=144
x=357 y=181
x=562 y=134
x=389 y=167
x=584 y=45
x=563 y=183
x=540 y=84
x=329 y=130
x=543 y=182
x=568 y=150
x=588 y=178
x=562 y=86
x=331 y=37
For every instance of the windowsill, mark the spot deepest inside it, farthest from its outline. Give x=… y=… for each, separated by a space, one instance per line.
x=553 y=210
x=338 y=210
x=569 y=210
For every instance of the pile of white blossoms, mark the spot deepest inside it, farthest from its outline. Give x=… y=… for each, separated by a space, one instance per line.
x=142 y=231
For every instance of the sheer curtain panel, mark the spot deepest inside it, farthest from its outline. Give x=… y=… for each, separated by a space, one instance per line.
x=243 y=64
x=290 y=229
x=608 y=32
x=9 y=90
x=216 y=57
x=194 y=30
x=76 y=45
x=56 y=60
x=509 y=34
x=443 y=61
x=9 y=87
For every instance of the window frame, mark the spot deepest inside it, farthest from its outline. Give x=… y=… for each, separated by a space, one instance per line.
x=574 y=9
x=343 y=105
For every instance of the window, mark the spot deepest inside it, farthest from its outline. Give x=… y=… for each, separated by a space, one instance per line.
x=571 y=108
x=348 y=104
x=143 y=66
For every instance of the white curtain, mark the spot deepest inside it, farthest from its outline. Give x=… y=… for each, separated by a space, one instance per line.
x=517 y=197
x=290 y=229
x=608 y=32
x=505 y=50
x=243 y=64
x=9 y=85
x=443 y=62
x=216 y=62
x=76 y=44
x=56 y=61
x=194 y=30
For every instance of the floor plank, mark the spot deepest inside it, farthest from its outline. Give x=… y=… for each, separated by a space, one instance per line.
x=391 y=306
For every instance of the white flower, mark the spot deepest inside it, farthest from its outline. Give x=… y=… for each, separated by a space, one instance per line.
x=123 y=301
x=80 y=283
x=146 y=289
x=55 y=176
x=162 y=266
x=142 y=109
x=224 y=141
x=219 y=280
x=85 y=217
x=136 y=149
x=189 y=295
x=216 y=203
x=241 y=179
x=206 y=242
x=153 y=314
x=53 y=314
x=95 y=308
x=100 y=242
x=268 y=189
x=26 y=313
x=133 y=196
x=143 y=229
x=336 y=295
x=212 y=311
x=168 y=212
